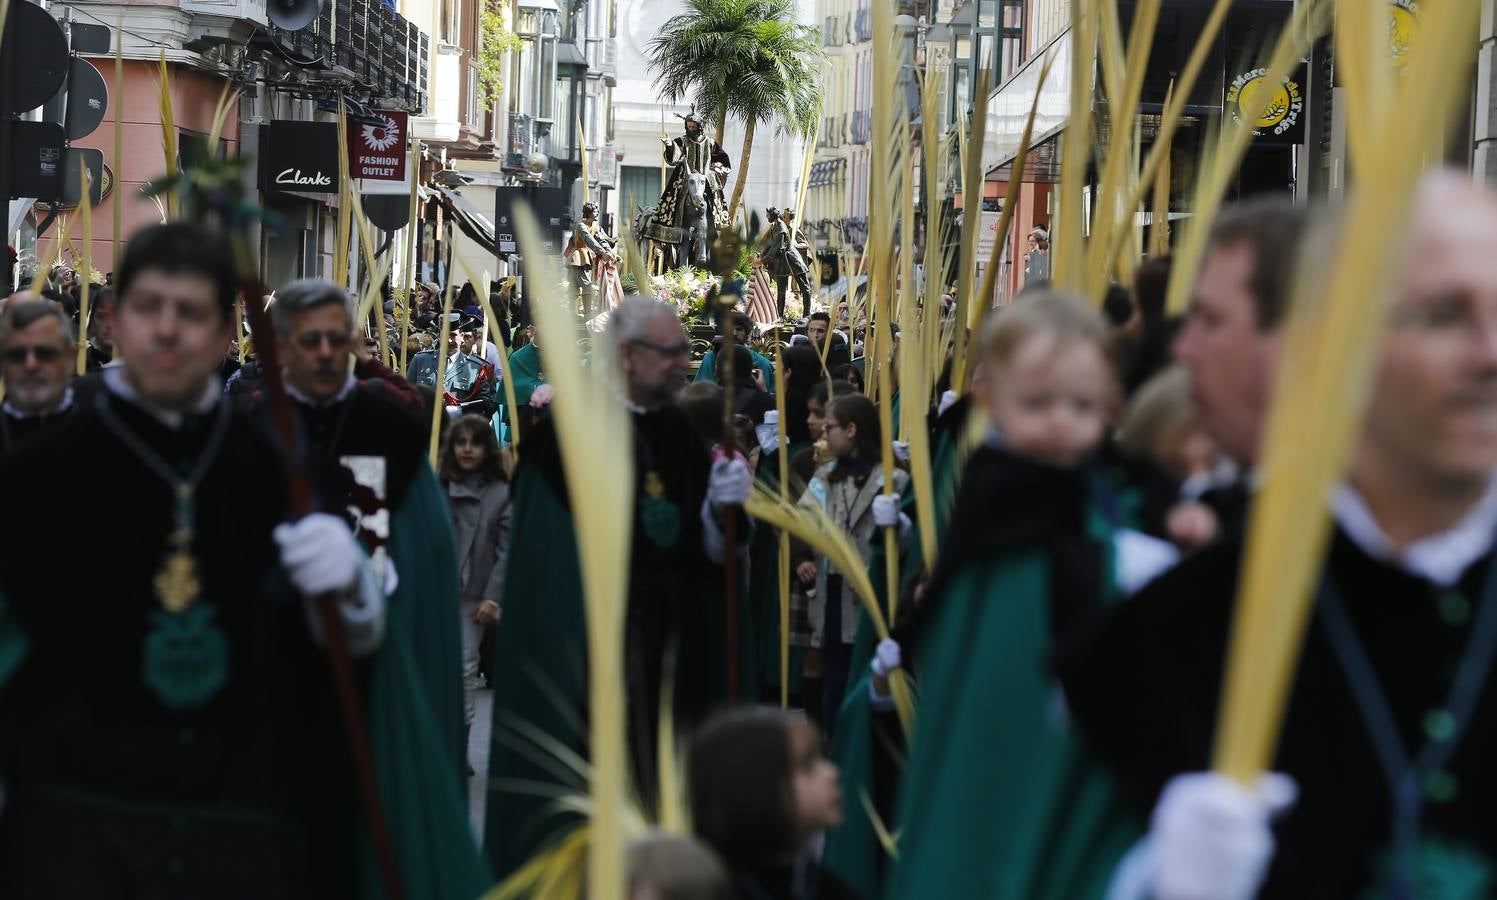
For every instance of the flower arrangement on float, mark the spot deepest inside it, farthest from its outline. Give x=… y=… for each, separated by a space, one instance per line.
x=687 y=288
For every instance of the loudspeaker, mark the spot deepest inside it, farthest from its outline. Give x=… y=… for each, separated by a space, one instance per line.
x=291 y=15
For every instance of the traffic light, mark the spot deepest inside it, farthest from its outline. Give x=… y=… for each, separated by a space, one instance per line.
x=39 y=68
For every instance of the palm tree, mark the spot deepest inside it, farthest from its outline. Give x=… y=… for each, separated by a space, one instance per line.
x=745 y=57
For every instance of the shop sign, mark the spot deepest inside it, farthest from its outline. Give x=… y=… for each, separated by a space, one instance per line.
x=300 y=156
x=377 y=150
x=1282 y=120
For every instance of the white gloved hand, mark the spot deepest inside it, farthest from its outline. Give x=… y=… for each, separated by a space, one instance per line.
x=947 y=399
x=320 y=554
x=902 y=451
x=542 y=396
x=1212 y=838
x=768 y=434
x=729 y=483
x=885 y=510
x=886 y=658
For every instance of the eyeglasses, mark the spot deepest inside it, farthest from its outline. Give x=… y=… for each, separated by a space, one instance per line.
x=311 y=340
x=681 y=349
x=828 y=426
x=44 y=353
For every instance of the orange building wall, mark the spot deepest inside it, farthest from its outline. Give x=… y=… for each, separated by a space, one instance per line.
x=194 y=97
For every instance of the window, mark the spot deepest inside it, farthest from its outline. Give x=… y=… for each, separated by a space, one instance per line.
x=546 y=76
x=470 y=114
x=451 y=21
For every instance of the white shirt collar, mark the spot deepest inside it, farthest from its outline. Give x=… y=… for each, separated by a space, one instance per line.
x=120 y=386
x=1441 y=558
x=339 y=397
x=63 y=406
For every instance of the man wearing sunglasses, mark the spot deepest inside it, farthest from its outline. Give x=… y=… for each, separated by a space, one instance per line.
x=37 y=355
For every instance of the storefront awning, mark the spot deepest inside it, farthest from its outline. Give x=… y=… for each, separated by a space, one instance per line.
x=1008 y=109
x=469 y=219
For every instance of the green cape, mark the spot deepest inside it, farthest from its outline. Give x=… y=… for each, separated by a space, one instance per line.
x=999 y=798
x=415 y=708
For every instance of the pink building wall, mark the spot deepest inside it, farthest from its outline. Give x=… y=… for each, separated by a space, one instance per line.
x=194 y=97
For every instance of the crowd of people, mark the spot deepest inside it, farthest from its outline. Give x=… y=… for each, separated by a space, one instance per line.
x=168 y=726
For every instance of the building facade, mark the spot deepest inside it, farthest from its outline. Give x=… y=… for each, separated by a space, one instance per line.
x=363 y=53
x=641 y=120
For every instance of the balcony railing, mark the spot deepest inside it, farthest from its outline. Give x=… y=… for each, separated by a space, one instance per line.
x=374 y=46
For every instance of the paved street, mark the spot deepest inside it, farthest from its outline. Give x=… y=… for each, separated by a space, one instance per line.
x=478 y=757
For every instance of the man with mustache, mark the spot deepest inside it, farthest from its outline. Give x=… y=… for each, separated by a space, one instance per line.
x=37 y=354
x=471 y=381
x=682 y=499
x=367 y=452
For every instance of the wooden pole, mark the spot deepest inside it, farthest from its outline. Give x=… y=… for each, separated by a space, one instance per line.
x=88 y=267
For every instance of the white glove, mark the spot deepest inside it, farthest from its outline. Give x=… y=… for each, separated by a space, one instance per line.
x=729 y=483
x=320 y=554
x=768 y=434
x=947 y=399
x=886 y=658
x=902 y=451
x=542 y=396
x=885 y=510
x=1211 y=836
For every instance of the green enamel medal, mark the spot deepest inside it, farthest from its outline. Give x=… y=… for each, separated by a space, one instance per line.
x=660 y=517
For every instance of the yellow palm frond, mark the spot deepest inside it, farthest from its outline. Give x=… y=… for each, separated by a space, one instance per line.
x=1324 y=376
x=815 y=528
x=585 y=406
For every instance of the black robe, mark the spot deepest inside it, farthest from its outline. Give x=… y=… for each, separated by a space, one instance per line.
x=16 y=430
x=674 y=606
x=1145 y=686
x=143 y=747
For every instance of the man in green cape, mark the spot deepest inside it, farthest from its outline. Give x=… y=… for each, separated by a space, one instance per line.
x=366 y=452
x=673 y=624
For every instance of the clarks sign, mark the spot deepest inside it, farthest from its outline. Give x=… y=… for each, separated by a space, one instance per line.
x=299 y=156
x=295 y=178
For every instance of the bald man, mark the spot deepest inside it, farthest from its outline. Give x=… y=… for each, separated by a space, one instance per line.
x=1392 y=719
x=673 y=621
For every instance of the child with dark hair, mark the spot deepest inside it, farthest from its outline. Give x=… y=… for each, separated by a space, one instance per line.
x=472 y=472
x=850 y=374
x=762 y=793
x=702 y=401
x=850 y=489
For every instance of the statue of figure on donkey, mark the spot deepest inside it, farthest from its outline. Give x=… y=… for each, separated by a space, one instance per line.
x=693 y=195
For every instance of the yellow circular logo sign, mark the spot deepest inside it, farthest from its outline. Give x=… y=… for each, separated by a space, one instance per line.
x=1403 y=30
x=1275 y=113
